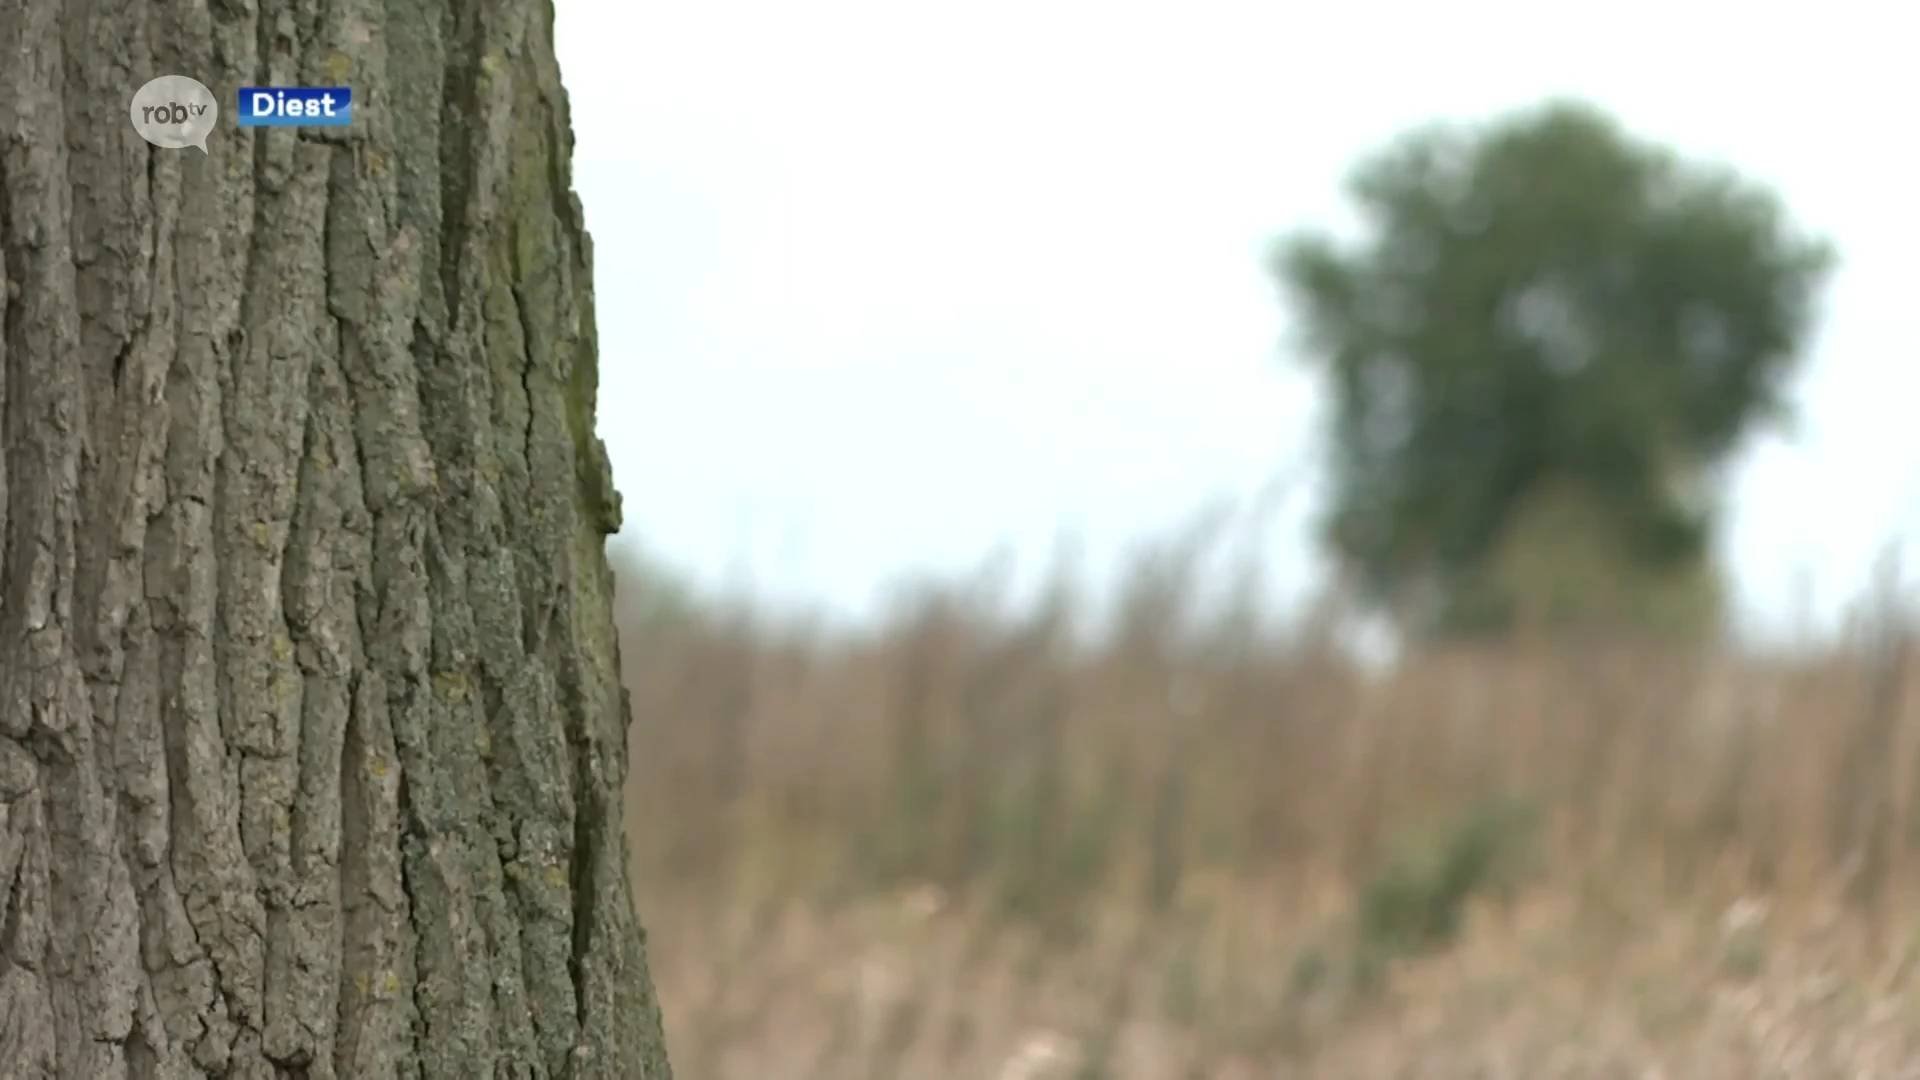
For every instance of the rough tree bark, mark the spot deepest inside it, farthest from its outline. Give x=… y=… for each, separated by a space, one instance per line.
x=311 y=736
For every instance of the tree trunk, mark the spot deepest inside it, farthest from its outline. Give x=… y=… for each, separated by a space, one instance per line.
x=311 y=735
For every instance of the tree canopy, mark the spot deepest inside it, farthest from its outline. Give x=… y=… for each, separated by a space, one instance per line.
x=1543 y=312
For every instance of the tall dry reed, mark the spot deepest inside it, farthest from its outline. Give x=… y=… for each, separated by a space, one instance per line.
x=1141 y=839
x=999 y=755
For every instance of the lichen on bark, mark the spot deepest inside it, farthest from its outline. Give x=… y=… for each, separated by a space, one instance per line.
x=311 y=737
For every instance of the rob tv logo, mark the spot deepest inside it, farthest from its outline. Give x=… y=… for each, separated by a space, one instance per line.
x=296 y=106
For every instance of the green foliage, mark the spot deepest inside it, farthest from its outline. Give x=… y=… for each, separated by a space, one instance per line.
x=1743 y=955
x=1543 y=303
x=1560 y=566
x=1415 y=902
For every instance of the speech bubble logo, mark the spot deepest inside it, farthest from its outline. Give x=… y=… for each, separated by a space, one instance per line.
x=175 y=112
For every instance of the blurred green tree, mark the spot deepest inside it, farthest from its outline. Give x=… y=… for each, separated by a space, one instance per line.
x=1548 y=341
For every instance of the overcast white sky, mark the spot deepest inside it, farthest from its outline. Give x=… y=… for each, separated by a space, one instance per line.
x=884 y=285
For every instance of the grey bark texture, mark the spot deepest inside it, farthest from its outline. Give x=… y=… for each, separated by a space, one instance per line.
x=311 y=735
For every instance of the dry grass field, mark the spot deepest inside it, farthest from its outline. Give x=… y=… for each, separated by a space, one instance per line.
x=970 y=847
